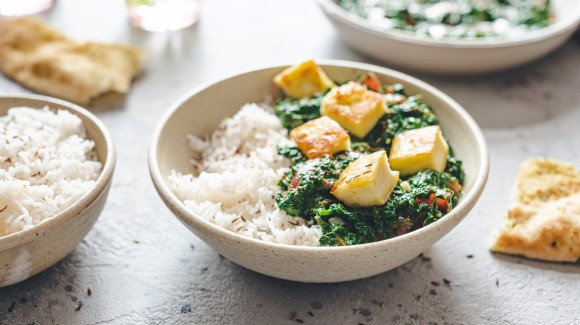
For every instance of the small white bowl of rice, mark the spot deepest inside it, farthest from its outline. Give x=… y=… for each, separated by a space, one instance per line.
x=56 y=165
x=213 y=160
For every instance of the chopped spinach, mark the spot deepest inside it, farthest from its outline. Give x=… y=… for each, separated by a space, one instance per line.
x=306 y=186
x=292 y=153
x=416 y=201
x=406 y=210
x=455 y=169
x=295 y=112
x=455 y=18
x=306 y=193
x=413 y=113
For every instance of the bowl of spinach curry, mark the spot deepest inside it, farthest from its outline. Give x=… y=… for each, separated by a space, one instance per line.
x=454 y=36
x=358 y=241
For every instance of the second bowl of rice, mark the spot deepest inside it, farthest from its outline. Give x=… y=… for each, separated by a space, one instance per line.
x=57 y=161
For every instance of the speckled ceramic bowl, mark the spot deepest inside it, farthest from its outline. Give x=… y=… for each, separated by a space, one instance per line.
x=447 y=56
x=201 y=111
x=26 y=253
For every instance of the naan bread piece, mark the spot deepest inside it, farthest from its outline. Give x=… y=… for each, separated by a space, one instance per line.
x=25 y=35
x=544 y=179
x=56 y=70
x=51 y=64
x=76 y=72
x=544 y=220
x=121 y=62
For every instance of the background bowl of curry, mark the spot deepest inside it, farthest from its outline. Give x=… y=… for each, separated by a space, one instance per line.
x=453 y=56
x=201 y=111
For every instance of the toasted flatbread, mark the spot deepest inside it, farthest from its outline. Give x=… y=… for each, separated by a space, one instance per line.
x=26 y=34
x=41 y=59
x=544 y=219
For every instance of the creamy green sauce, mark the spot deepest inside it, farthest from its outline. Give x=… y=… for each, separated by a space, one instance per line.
x=455 y=18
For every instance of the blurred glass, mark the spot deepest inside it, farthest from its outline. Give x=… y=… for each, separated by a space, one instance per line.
x=23 y=7
x=163 y=15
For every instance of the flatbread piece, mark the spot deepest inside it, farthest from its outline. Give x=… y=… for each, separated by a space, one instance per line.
x=41 y=59
x=544 y=219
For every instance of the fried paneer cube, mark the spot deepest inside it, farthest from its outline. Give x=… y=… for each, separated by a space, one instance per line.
x=303 y=80
x=320 y=137
x=354 y=107
x=419 y=149
x=367 y=181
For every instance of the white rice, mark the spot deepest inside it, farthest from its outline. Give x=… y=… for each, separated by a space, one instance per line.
x=46 y=165
x=234 y=181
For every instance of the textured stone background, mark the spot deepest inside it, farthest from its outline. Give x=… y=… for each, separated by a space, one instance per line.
x=142 y=266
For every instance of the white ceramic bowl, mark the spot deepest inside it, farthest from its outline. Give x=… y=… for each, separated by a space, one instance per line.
x=201 y=111
x=26 y=253
x=425 y=54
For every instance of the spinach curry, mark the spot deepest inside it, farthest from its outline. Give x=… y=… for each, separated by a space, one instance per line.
x=416 y=200
x=454 y=18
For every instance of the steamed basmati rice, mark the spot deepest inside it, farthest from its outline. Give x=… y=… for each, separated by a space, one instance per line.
x=234 y=182
x=46 y=165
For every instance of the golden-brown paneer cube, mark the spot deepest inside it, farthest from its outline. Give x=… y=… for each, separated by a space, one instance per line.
x=354 y=107
x=419 y=149
x=367 y=181
x=303 y=80
x=320 y=137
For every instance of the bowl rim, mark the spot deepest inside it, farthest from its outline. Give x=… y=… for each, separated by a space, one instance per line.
x=21 y=237
x=333 y=10
x=185 y=216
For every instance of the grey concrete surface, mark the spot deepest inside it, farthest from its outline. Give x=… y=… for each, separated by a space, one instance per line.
x=139 y=265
